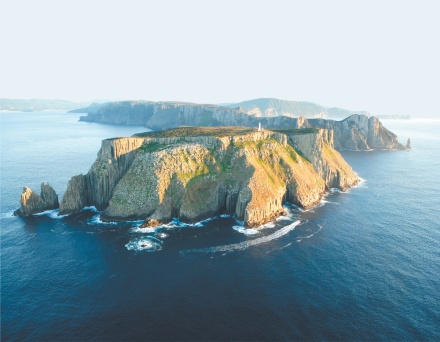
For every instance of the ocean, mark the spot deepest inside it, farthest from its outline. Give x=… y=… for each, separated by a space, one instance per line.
x=363 y=265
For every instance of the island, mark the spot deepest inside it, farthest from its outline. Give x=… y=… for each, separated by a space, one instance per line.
x=193 y=173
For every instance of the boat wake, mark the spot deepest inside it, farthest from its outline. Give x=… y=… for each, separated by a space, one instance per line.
x=299 y=239
x=246 y=244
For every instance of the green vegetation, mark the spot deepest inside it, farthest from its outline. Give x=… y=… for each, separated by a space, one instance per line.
x=297 y=130
x=197 y=131
x=150 y=147
x=224 y=162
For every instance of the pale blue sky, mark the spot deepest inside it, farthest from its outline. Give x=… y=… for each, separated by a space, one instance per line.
x=380 y=56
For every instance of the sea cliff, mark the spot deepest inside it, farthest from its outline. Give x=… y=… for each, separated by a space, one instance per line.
x=356 y=132
x=196 y=173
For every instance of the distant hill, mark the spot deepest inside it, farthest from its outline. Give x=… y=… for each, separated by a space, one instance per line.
x=30 y=105
x=270 y=107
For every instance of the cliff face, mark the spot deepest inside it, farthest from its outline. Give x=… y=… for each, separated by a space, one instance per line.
x=32 y=203
x=327 y=162
x=357 y=132
x=96 y=187
x=196 y=173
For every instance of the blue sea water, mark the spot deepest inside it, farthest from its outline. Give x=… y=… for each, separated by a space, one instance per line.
x=365 y=265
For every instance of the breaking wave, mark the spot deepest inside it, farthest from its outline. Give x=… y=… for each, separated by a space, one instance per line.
x=91 y=208
x=96 y=219
x=144 y=230
x=362 y=184
x=54 y=214
x=144 y=244
x=284 y=218
x=176 y=223
x=246 y=231
x=246 y=244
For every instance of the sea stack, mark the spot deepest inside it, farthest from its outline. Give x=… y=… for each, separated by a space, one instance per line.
x=32 y=203
x=408 y=144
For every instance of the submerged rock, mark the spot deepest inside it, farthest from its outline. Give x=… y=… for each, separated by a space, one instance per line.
x=32 y=203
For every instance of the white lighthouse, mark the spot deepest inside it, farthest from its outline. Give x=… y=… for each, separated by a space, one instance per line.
x=259 y=126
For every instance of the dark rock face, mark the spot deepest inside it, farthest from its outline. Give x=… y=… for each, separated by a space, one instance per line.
x=32 y=203
x=76 y=196
x=357 y=132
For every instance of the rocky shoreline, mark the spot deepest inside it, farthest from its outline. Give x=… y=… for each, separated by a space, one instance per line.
x=197 y=173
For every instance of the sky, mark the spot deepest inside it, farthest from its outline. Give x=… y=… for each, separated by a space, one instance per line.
x=379 y=56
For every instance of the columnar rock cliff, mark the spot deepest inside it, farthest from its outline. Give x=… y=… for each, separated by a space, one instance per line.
x=318 y=149
x=31 y=202
x=96 y=187
x=358 y=132
x=195 y=173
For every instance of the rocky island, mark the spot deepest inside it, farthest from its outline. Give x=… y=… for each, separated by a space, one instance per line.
x=194 y=173
x=32 y=203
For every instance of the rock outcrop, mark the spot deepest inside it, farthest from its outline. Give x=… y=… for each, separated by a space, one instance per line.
x=357 y=132
x=196 y=173
x=32 y=203
x=408 y=144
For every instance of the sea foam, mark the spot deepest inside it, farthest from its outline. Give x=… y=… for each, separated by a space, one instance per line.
x=53 y=213
x=246 y=231
x=7 y=215
x=145 y=244
x=309 y=236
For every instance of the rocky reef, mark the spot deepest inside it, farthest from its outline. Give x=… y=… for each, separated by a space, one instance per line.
x=194 y=173
x=32 y=203
x=356 y=132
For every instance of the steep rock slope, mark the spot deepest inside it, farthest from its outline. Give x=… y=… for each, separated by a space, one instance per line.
x=327 y=162
x=195 y=173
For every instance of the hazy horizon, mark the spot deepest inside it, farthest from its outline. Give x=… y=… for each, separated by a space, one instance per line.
x=370 y=56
